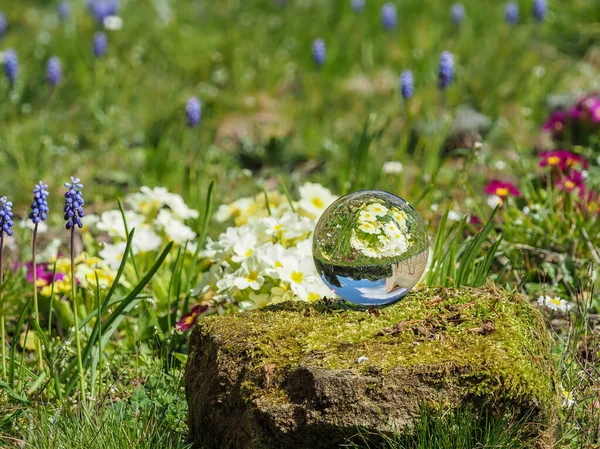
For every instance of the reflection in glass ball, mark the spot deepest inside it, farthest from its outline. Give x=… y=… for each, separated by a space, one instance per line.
x=370 y=247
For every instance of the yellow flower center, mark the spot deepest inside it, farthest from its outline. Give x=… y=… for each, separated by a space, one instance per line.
x=297 y=277
x=313 y=296
x=502 y=191
x=569 y=184
x=317 y=202
x=278 y=264
x=553 y=160
x=252 y=276
x=248 y=253
x=555 y=301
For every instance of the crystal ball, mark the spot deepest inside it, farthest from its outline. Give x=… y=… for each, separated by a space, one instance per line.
x=370 y=247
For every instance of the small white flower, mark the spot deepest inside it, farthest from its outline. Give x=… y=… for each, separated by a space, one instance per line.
x=173 y=228
x=362 y=359
x=568 y=400
x=42 y=227
x=377 y=209
x=113 y=23
x=454 y=216
x=112 y=223
x=554 y=303
x=369 y=228
x=314 y=199
x=392 y=168
x=494 y=200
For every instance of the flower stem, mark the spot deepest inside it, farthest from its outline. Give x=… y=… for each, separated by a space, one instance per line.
x=76 y=319
x=2 y=330
x=36 y=310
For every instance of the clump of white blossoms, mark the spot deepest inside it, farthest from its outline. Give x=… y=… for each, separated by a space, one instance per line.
x=554 y=303
x=382 y=231
x=267 y=256
x=157 y=215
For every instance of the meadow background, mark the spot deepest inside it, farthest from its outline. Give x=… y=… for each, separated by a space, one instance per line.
x=276 y=114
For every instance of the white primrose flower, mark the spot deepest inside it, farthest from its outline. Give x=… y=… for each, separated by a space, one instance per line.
x=113 y=254
x=248 y=275
x=244 y=247
x=145 y=240
x=377 y=209
x=370 y=228
x=173 y=228
x=112 y=223
x=392 y=168
x=314 y=199
x=271 y=255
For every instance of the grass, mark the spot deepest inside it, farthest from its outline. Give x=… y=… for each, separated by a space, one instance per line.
x=270 y=116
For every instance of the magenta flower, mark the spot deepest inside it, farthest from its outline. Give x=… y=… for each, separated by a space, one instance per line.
x=503 y=189
x=562 y=159
x=556 y=122
x=586 y=108
x=188 y=321
x=571 y=182
x=43 y=273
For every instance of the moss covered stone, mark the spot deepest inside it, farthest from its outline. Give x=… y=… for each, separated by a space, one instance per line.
x=289 y=375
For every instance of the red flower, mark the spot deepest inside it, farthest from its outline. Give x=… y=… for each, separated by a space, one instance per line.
x=188 y=321
x=503 y=189
x=562 y=159
x=571 y=182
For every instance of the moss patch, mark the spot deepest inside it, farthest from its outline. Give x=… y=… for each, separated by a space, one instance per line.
x=493 y=342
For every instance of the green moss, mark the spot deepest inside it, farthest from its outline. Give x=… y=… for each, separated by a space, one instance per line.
x=493 y=342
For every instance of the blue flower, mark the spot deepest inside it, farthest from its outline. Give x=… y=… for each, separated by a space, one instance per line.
x=6 y=214
x=446 y=74
x=458 y=13
x=407 y=84
x=193 y=111
x=540 y=8
x=11 y=66
x=100 y=44
x=64 y=10
x=389 y=17
x=53 y=71
x=39 y=207
x=101 y=9
x=3 y=25
x=358 y=6
x=73 y=203
x=319 y=52
x=512 y=13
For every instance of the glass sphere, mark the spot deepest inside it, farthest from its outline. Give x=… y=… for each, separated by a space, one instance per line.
x=370 y=247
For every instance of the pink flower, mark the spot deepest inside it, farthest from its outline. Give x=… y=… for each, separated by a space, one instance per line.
x=43 y=274
x=556 y=122
x=188 y=321
x=588 y=108
x=503 y=189
x=562 y=159
x=572 y=181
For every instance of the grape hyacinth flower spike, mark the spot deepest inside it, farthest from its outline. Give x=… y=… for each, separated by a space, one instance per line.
x=458 y=13
x=540 y=8
x=64 y=10
x=39 y=213
x=53 y=71
x=446 y=73
x=74 y=203
x=3 y=25
x=512 y=13
x=193 y=111
x=73 y=215
x=407 y=84
x=11 y=66
x=6 y=224
x=389 y=17
x=319 y=52
x=357 y=6
x=100 y=44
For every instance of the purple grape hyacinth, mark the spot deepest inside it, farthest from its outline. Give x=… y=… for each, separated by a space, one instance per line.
x=446 y=73
x=100 y=44
x=389 y=17
x=319 y=52
x=540 y=8
x=3 y=25
x=11 y=66
x=53 y=71
x=64 y=10
x=74 y=203
x=193 y=111
x=512 y=13
x=101 y=9
x=357 y=6
x=39 y=207
x=458 y=13
x=407 y=84
x=6 y=214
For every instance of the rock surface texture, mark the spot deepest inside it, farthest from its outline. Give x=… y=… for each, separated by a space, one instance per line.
x=308 y=375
